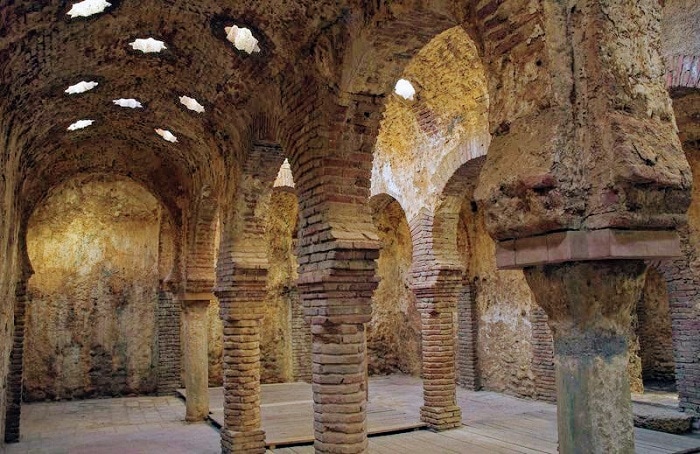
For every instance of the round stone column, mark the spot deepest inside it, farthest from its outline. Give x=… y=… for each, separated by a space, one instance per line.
x=195 y=327
x=589 y=308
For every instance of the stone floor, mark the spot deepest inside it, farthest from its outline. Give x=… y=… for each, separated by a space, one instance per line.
x=132 y=425
x=494 y=423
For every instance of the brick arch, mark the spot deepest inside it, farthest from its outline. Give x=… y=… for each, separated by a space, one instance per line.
x=683 y=72
x=200 y=254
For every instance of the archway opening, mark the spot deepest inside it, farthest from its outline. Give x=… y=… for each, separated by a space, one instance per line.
x=652 y=365
x=394 y=333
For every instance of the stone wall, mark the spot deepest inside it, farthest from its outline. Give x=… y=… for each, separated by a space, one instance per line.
x=679 y=28
x=276 y=333
x=503 y=306
x=94 y=246
x=394 y=334
x=9 y=269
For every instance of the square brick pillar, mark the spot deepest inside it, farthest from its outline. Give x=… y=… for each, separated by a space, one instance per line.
x=241 y=310
x=195 y=324
x=338 y=306
x=437 y=304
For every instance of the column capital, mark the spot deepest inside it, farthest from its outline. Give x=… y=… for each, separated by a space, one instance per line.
x=193 y=297
x=587 y=245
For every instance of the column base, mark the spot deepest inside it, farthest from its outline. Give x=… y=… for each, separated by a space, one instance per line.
x=251 y=442
x=441 y=418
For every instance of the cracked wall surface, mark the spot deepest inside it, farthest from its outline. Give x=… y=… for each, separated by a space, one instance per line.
x=93 y=244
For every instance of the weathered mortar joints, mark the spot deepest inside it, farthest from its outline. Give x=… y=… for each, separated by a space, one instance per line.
x=241 y=311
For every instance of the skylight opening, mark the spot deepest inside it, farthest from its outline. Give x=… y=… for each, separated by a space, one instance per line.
x=148 y=45
x=242 y=39
x=130 y=102
x=81 y=87
x=80 y=124
x=87 y=8
x=405 y=89
x=191 y=104
x=166 y=135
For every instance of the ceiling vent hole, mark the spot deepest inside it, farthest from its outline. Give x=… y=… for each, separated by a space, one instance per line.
x=148 y=45
x=87 y=8
x=81 y=87
x=405 y=89
x=191 y=104
x=166 y=135
x=80 y=124
x=130 y=102
x=242 y=39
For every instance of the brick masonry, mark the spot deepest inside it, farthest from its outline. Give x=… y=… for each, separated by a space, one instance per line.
x=14 y=379
x=467 y=333
x=301 y=340
x=169 y=352
x=683 y=71
x=543 y=356
x=437 y=287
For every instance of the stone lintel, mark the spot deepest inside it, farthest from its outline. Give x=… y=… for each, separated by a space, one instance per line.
x=190 y=297
x=579 y=245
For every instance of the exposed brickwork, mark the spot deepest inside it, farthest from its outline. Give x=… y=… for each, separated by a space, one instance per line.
x=437 y=288
x=467 y=333
x=330 y=137
x=169 y=354
x=683 y=71
x=241 y=312
x=301 y=340
x=543 y=356
x=242 y=291
x=683 y=293
x=14 y=379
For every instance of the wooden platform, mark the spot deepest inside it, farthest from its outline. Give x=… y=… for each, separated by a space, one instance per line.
x=493 y=422
x=287 y=414
x=526 y=433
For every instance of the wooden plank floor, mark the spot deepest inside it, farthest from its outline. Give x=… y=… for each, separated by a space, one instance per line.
x=493 y=423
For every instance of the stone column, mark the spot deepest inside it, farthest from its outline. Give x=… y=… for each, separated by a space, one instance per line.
x=437 y=305
x=589 y=308
x=195 y=325
x=241 y=310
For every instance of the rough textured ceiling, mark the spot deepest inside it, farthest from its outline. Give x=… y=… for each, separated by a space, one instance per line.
x=43 y=51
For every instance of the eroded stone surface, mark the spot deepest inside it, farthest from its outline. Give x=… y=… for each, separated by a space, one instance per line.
x=91 y=321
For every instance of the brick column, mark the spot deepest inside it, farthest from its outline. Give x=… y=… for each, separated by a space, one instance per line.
x=589 y=307
x=195 y=324
x=241 y=310
x=543 y=356
x=301 y=340
x=468 y=330
x=437 y=304
x=168 y=319
x=14 y=379
x=338 y=306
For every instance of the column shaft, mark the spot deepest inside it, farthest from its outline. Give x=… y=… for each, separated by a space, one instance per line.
x=196 y=358
x=437 y=305
x=589 y=308
x=241 y=310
